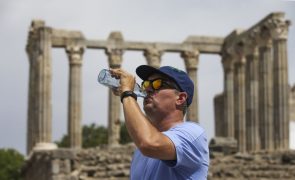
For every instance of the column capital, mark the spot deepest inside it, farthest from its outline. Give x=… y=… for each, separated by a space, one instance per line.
x=191 y=59
x=153 y=56
x=228 y=63
x=237 y=51
x=251 y=44
x=264 y=38
x=32 y=50
x=75 y=53
x=241 y=62
x=279 y=29
x=239 y=54
x=35 y=37
x=114 y=56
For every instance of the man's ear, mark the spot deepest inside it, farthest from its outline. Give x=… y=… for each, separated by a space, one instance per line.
x=181 y=98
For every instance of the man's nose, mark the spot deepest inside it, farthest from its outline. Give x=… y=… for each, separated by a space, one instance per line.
x=149 y=90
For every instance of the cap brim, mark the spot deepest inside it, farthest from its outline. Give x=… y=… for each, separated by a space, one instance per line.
x=144 y=71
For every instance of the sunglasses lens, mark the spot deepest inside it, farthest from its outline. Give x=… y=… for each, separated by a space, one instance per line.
x=145 y=84
x=157 y=84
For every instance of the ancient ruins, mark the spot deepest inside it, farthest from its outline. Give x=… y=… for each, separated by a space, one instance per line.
x=253 y=110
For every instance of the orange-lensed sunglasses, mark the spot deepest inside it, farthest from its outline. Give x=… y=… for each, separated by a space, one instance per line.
x=157 y=84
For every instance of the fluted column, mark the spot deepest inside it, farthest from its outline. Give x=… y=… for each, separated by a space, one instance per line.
x=153 y=57
x=75 y=53
x=191 y=60
x=252 y=96
x=40 y=107
x=33 y=53
x=228 y=69
x=280 y=85
x=219 y=116
x=115 y=58
x=115 y=61
x=44 y=86
x=266 y=91
x=240 y=109
x=30 y=122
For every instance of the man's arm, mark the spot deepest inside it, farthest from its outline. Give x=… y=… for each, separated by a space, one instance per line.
x=150 y=141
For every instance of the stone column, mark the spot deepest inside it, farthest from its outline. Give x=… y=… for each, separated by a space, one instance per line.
x=75 y=53
x=228 y=95
x=252 y=96
x=40 y=108
x=44 y=74
x=219 y=116
x=32 y=52
x=115 y=61
x=153 y=57
x=31 y=99
x=266 y=91
x=292 y=103
x=280 y=85
x=191 y=60
x=115 y=57
x=240 y=109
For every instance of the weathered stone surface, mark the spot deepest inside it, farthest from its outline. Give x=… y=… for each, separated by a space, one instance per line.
x=106 y=163
x=224 y=145
x=260 y=165
x=292 y=103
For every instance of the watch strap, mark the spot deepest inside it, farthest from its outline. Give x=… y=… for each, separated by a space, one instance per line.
x=127 y=94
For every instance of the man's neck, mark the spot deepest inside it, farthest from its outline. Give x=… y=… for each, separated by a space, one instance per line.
x=164 y=123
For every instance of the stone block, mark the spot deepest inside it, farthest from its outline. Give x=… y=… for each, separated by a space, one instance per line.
x=226 y=145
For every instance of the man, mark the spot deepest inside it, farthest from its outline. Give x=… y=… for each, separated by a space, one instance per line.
x=168 y=147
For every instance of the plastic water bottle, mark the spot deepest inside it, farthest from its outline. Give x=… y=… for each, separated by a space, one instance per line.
x=105 y=78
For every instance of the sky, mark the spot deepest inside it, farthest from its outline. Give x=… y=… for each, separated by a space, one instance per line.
x=137 y=20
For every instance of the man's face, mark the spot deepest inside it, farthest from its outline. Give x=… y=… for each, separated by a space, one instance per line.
x=161 y=100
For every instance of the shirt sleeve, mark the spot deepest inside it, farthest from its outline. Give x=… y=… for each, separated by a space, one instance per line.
x=191 y=147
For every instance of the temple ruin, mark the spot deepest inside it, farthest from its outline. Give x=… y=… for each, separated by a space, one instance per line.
x=253 y=109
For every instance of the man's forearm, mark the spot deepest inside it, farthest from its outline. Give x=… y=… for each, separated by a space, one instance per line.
x=147 y=138
x=139 y=127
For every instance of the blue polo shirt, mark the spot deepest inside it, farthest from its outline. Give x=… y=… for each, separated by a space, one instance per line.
x=192 y=154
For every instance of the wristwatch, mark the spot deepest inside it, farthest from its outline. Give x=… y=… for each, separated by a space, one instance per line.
x=128 y=93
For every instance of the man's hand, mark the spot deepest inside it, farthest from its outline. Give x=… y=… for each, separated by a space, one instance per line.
x=127 y=81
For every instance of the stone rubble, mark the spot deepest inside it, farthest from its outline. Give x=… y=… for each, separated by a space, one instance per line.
x=113 y=163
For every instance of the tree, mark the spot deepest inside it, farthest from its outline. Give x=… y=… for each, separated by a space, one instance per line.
x=11 y=162
x=124 y=135
x=94 y=135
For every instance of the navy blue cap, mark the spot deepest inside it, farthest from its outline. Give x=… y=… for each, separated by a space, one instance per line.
x=180 y=77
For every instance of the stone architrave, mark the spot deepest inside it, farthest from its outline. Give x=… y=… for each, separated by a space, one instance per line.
x=39 y=109
x=252 y=106
x=153 y=57
x=240 y=109
x=265 y=90
x=279 y=32
x=191 y=60
x=75 y=53
x=228 y=95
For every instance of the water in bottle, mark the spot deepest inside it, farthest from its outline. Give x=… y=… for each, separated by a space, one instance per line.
x=105 y=78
